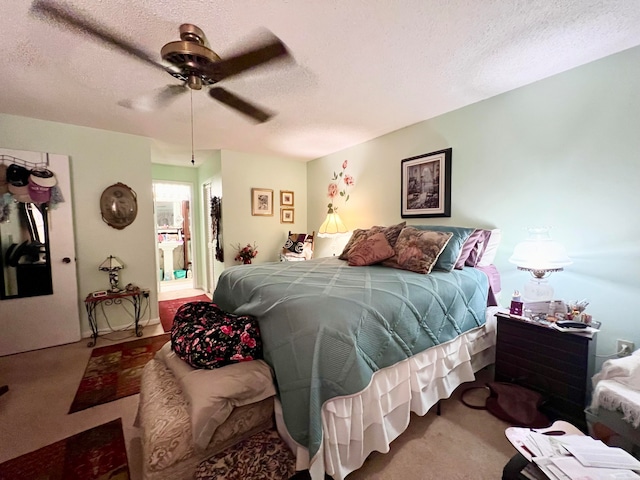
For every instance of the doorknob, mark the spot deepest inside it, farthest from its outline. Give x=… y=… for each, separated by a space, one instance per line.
x=66 y=260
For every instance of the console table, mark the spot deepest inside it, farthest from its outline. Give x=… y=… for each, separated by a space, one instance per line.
x=133 y=297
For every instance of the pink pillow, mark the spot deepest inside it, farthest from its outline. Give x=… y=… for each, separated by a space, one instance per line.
x=470 y=248
x=371 y=250
x=490 y=248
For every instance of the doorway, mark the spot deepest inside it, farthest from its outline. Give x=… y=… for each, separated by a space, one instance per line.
x=174 y=239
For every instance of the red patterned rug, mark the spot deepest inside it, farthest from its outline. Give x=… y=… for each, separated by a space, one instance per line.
x=114 y=371
x=168 y=309
x=95 y=454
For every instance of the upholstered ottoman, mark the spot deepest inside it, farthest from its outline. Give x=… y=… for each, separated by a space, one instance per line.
x=263 y=456
x=167 y=418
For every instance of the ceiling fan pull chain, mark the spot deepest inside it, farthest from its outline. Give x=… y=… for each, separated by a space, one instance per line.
x=192 y=156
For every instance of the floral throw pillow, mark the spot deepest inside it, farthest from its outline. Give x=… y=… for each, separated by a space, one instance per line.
x=205 y=336
x=391 y=234
x=418 y=250
x=372 y=250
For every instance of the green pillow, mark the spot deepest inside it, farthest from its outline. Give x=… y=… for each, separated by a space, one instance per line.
x=449 y=256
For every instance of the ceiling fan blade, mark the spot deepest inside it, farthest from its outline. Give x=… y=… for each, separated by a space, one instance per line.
x=251 y=58
x=66 y=16
x=156 y=100
x=237 y=103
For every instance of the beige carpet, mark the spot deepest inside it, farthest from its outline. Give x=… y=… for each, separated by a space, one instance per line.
x=461 y=444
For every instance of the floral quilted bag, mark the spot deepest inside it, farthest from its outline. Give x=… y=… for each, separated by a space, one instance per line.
x=205 y=336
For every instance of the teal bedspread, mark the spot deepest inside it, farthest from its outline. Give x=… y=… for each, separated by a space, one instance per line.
x=327 y=327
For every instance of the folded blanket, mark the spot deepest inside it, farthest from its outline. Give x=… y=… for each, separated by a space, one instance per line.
x=625 y=370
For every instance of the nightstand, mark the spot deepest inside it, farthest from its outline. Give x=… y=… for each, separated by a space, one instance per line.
x=557 y=364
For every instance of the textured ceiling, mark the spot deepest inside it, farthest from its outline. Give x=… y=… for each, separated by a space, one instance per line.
x=362 y=67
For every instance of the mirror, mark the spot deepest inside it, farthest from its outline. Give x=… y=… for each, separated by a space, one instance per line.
x=24 y=250
x=118 y=205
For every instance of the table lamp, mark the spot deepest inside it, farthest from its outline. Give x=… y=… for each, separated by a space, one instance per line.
x=112 y=265
x=541 y=256
x=332 y=227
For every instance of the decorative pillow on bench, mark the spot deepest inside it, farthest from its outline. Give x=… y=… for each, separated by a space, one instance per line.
x=205 y=336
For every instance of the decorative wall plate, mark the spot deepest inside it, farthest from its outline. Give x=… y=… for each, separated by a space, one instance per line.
x=118 y=205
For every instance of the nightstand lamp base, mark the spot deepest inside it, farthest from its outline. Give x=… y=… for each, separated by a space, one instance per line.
x=537 y=290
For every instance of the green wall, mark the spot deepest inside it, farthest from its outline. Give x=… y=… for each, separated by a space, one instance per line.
x=98 y=158
x=562 y=152
x=240 y=173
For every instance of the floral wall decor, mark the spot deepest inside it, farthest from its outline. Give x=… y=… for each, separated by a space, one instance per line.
x=338 y=187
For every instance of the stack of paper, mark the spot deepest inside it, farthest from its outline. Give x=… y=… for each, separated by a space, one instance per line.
x=574 y=457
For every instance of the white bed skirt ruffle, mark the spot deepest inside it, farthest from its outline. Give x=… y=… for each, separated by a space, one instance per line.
x=356 y=425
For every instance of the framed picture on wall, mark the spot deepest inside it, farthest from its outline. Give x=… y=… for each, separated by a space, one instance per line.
x=286 y=198
x=286 y=215
x=261 y=201
x=426 y=185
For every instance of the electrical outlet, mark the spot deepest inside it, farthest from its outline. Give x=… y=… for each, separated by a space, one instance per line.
x=624 y=348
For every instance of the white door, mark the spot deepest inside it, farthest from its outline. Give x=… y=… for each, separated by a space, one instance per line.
x=47 y=320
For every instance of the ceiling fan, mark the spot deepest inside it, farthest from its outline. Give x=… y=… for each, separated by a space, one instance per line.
x=189 y=60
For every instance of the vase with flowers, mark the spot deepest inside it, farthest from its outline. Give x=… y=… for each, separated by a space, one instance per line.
x=246 y=254
x=338 y=187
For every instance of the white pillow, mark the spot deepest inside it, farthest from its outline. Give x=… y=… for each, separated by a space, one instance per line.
x=489 y=254
x=211 y=395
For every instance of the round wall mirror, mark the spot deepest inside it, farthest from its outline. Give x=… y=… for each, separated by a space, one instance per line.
x=119 y=205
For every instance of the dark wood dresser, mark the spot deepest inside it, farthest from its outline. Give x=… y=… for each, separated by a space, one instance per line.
x=557 y=364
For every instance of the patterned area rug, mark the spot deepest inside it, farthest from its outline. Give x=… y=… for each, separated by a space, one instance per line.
x=263 y=456
x=114 y=371
x=96 y=454
x=168 y=309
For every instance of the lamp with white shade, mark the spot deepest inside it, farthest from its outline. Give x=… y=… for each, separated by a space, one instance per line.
x=112 y=265
x=540 y=255
x=332 y=227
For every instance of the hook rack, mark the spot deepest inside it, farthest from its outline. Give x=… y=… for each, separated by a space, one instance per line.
x=25 y=163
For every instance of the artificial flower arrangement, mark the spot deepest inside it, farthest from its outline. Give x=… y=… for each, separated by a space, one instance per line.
x=246 y=254
x=339 y=185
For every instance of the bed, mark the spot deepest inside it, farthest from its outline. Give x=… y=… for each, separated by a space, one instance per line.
x=355 y=350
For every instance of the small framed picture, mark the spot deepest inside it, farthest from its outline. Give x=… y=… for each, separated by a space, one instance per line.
x=426 y=185
x=286 y=198
x=286 y=215
x=261 y=201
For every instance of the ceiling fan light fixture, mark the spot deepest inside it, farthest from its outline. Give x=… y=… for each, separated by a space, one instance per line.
x=194 y=82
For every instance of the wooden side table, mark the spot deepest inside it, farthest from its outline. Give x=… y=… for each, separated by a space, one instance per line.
x=557 y=364
x=133 y=296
